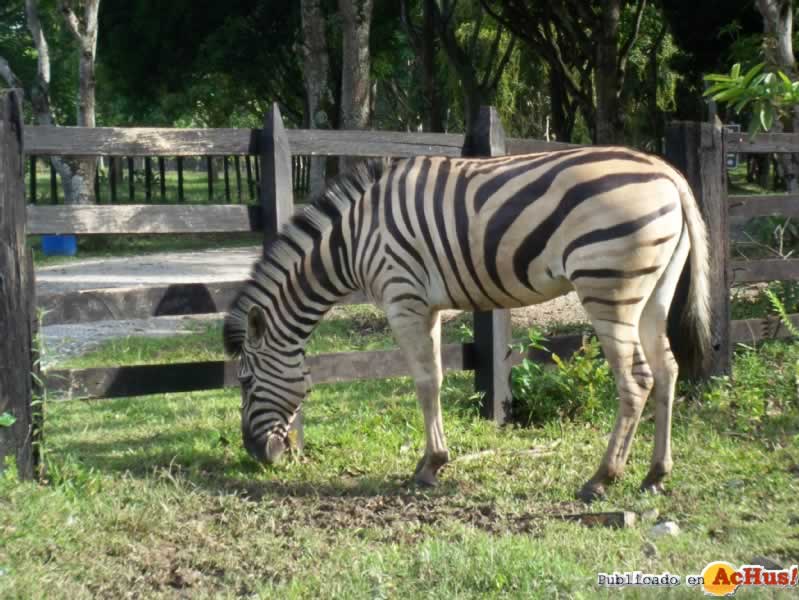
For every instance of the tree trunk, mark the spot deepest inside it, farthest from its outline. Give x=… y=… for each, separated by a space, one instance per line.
x=608 y=116
x=77 y=174
x=434 y=120
x=356 y=20
x=315 y=76
x=778 y=48
x=562 y=111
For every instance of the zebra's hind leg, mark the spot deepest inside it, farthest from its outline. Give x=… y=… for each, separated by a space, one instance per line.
x=664 y=368
x=419 y=336
x=622 y=347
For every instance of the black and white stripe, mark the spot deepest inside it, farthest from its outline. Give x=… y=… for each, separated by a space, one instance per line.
x=427 y=233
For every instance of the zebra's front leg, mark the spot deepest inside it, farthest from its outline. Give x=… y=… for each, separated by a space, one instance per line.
x=419 y=336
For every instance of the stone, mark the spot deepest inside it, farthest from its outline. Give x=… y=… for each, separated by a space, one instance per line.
x=663 y=529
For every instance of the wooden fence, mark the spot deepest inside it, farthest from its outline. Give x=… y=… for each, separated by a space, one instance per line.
x=274 y=146
x=146 y=179
x=699 y=150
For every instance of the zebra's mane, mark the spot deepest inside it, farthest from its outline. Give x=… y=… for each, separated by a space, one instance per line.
x=306 y=225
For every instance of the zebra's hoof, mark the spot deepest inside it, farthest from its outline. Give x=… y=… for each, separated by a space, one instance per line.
x=425 y=480
x=653 y=487
x=590 y=492
x=428 y=468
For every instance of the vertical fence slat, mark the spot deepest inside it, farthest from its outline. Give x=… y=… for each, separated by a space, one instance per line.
x=17 y=305
x=53 y=185
x=97 y=198
x=209 y=167
x=277 y=200
x=492 y=330
x=148 y=179
x=113 y=167
x=180 y=179
x=33 y=179
x=250 y=179
x=162 y=177
x=697 y=150
x=225 y=168
x=131 y=183
x=237 y=165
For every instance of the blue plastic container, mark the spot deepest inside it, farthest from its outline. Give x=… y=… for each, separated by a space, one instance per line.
x=59 y=245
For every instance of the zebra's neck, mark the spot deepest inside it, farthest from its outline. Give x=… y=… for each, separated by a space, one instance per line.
x=317 y=259
x=309 y=270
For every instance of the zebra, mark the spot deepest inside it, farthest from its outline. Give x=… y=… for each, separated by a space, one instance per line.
x=423 y=234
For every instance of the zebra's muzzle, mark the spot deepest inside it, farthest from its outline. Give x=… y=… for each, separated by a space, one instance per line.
x=268 y=451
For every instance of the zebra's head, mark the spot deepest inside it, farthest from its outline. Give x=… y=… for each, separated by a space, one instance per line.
x=273 y=383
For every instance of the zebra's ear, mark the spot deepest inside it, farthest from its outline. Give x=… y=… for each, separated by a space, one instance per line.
x=256 y=324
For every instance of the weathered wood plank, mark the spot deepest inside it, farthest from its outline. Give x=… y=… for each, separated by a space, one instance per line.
x=152 y=141
x=768 y=269
x=276 y=197
x=697 y=150
x=138 y=141
x=530 y=146
x=117 y=304
x=492 y=330
x=761 y=143
x=17 y=303
x=131 y=381
x=143 y=302
x=751 y=331
x=142 y=219
x=142 y=380
x=332 y=142
x=747 y=207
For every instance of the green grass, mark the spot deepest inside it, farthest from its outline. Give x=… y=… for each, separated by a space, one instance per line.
x=155 y=497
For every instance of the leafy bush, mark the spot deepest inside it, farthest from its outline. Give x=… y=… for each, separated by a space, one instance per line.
x=581 y=386
x=770 y=96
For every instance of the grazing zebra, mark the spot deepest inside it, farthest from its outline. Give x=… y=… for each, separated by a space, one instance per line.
x=428 y=233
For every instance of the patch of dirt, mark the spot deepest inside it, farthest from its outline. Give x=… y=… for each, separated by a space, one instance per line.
x=405 y=516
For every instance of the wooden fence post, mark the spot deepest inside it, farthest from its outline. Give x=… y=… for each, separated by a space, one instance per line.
x=17 y=304
x=277 y=201
x=492 y=330
x=697 y=149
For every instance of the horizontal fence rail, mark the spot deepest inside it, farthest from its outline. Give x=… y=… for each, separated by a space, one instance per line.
x=147 y=141
x=748 y=207
x=143 y=219
x=143 y=380
x=761 y=270
x=144 y=302
x=761 y=143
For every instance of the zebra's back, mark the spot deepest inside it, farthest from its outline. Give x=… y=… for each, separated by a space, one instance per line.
x=519 y=230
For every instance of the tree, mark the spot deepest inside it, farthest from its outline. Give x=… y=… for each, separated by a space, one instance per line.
x=778 y=51
x=465 y=57
x=423 y=39
x=315 y=74
x=584 y=45
x=77 y=175
x=356 y=86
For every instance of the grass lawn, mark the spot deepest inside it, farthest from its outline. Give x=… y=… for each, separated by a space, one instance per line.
x=155 y=497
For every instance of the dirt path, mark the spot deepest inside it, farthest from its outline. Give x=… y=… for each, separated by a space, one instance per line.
x=62 y=341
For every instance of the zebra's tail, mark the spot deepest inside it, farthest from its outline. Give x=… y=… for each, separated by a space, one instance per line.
x=696 y=313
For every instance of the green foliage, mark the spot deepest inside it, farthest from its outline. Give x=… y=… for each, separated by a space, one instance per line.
x=778 y=304
x=7 y=419
x=768 y=95
x=581 y=386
